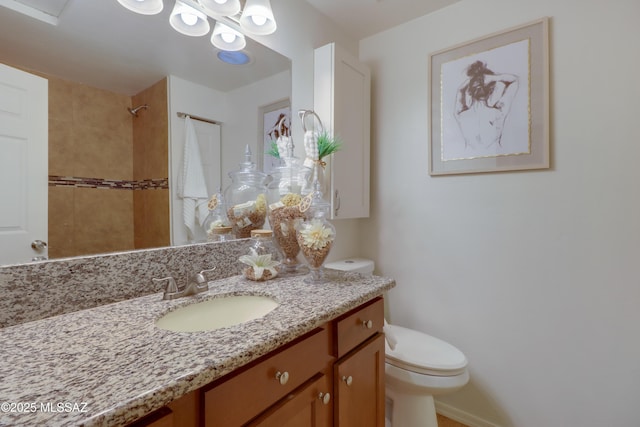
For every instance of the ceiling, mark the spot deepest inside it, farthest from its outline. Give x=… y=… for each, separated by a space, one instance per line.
x=100 y=43
x=363 y=18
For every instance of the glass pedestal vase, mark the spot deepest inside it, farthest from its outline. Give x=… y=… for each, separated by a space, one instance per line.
x=315 y=258
x=283 y=221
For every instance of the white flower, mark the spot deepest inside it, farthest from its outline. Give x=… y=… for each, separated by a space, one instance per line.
x=315 y=235
x=214 y=224
x=259 y=263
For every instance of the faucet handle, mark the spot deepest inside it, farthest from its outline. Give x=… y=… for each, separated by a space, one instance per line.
x=171 y=284
x=199 y=277
x=207 y=271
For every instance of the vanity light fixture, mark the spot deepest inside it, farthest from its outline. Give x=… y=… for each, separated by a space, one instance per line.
x=188 y=20
x=144 y=7
x=257 y=18
x=226 y=38
x=191 y=17
x=221 y=7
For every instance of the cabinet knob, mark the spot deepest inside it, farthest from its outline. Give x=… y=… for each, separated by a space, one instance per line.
x=282 y=377
x=38 y=245
x=347 y=380
x=367 y=324
x=325 y=398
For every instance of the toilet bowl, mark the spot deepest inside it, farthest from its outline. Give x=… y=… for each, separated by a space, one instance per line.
x=417 y=367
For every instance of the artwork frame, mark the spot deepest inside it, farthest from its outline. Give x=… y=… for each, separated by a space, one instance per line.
x=489 y=103
x=268 y=117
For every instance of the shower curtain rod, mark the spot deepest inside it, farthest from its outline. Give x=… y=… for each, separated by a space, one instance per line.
x=201 y=119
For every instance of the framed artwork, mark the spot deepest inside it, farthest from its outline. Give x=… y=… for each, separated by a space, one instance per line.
x=489 y=103
x=272 y=116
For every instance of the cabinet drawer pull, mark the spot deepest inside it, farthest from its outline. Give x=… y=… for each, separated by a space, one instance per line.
x=325 y=398
x=348 y=380
x=282 y=377
x=367 y=324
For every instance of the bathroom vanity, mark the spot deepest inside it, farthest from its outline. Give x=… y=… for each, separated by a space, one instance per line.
x=317 y=359
x=332 y=375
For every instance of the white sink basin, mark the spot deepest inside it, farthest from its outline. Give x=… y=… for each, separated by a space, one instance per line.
x=216 y=313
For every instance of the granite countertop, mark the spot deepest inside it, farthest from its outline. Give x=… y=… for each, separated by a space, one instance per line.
x=110 y=365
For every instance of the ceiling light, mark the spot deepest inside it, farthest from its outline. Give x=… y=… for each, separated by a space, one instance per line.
x=221 y=7
x=234 y=58
x=144 y=7
x=257 y=18
x=188 y=21
x=226 y=38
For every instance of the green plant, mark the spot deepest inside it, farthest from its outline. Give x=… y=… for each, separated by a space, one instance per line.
x=327 y=144
x=273 y=150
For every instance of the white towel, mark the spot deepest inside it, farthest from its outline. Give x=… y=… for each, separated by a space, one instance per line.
x=389 y=336
x=192 y=187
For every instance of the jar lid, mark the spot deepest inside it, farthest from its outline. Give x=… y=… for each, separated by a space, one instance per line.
x=261 y=233
x=221 y=230
x=247 y=171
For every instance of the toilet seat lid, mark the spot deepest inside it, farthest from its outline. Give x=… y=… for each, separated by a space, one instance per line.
x=422 y=353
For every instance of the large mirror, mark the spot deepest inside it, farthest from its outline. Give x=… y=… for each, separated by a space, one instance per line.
x=97 y=52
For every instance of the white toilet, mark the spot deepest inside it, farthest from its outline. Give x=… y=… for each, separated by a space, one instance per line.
x=418 y=367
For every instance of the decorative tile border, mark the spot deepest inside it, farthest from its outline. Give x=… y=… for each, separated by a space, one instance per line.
x=112 y=184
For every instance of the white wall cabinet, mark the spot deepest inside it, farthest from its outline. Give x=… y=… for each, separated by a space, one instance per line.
x=342 y=100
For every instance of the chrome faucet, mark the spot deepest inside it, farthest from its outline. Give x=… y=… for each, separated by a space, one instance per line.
x=195 y=284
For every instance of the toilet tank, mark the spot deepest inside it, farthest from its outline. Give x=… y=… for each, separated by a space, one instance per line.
x=358 y=265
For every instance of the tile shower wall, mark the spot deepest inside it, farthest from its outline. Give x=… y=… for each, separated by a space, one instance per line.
x=90 y=136
x=151 y=165
x=101 y=183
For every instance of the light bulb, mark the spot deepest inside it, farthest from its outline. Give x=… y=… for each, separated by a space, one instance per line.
x=228 y=37
x=259 y=20
x=189 y=18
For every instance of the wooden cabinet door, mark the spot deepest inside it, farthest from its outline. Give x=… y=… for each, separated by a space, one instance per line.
x=342 y=100
x=311 y=405
x=359 y=386
x=247 y=393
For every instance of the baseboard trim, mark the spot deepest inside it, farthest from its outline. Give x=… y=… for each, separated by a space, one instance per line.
x=461 y=416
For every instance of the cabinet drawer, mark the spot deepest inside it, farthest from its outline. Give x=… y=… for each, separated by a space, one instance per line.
x=310 y=405
x=355 y=327
x=227 y=405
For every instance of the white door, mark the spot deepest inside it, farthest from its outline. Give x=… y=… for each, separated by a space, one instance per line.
x=24 y=167
x=208 y=135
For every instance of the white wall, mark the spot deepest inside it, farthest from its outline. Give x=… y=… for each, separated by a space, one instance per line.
x=533 y=275
x=197 y=100
x=245 y=125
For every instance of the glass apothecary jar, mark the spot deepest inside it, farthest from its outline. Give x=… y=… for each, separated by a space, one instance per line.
x=217 y=223
x=284 y=196
x=315 y=234
x=220 y=234
x=246 y=198
x=264 y=259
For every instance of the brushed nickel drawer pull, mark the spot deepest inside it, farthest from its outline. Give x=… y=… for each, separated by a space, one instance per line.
x=348 y=380
x=367 y=324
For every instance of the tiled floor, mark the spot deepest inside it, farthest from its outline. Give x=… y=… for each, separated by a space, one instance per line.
x=446 y=422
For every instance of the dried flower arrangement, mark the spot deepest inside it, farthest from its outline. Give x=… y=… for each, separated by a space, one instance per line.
x=260 y=267
x=315 y=240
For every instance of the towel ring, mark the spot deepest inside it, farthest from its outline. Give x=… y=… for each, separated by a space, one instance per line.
x=303 y=115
